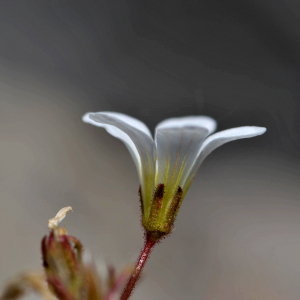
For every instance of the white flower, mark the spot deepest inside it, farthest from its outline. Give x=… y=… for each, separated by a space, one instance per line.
x=168 y=163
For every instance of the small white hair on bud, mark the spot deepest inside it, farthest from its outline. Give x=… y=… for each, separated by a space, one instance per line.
x=53 y=223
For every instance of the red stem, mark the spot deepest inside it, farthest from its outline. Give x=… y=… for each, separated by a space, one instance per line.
x=149 y=244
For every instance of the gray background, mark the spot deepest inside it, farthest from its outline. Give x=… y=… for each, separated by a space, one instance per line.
x=237 y=234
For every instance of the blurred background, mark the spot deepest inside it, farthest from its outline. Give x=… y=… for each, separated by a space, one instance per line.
x=237 y=234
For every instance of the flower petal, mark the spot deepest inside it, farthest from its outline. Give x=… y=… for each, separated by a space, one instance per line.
x=177 y=149
x=138 y=140
x=191 y=121
x=114 y=131
x=127 y=119
x=218 y=139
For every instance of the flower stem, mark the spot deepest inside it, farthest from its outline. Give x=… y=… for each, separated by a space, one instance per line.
x=149 y=244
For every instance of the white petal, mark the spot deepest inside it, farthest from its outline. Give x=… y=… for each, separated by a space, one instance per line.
x=138 y=140
x=177 y=149
x=127 y=119
x=114 y=131
x=218 y=139
x=194 y=121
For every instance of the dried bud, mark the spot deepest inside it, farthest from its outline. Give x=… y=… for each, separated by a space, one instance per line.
x=65 y=274
x=61 y=255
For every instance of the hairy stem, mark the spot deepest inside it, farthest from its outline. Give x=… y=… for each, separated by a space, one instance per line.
x=149 y=244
